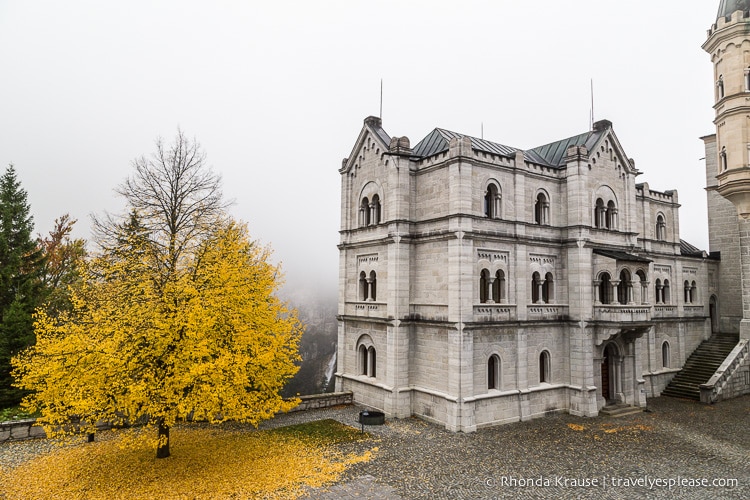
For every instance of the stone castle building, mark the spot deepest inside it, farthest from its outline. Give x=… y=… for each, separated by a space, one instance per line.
x=481 y=284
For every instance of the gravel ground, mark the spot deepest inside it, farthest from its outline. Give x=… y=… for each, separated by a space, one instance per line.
x=675 y=440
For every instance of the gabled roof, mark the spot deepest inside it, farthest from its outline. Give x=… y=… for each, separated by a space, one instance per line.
x=438 y=141
x=549 y=155
x=689 y=250
x=552 y=154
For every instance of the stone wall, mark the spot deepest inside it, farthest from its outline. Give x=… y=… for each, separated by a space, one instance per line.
x=20 y=429
x=25 y=429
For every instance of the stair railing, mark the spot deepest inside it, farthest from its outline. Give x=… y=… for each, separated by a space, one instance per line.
x=712 y=390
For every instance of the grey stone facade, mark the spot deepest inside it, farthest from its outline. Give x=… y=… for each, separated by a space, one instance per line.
x=481 y=284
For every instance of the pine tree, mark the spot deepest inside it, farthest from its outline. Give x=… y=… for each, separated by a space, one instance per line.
x=21 y=261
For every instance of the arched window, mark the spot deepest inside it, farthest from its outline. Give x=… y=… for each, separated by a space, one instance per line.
x=375 y=210
x=498 y=287
x=544 y=368
x=665 y=292
x=484 y=286
x=536 y=288
x=661 y=228
x=373 y=282
x=693 y=293
x=541 y=210
x=605 y=289
x=624 y=289
x=665 y=354
x=364 y=212
x=363 y=286
x=599 y=213
x=492 y=201
x=493 y=372
x=372 y=362
x=363 y=364
x=658 y=291
x=611 y=221
x=720 y=87
x=548 y=289
x=687 y=295
x=723 y=159
x=644 y=286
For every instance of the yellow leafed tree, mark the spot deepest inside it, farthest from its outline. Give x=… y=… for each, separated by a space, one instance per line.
x=170 y=322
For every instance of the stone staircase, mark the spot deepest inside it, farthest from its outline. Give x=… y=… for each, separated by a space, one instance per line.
x=619 y=410
x=700 y=366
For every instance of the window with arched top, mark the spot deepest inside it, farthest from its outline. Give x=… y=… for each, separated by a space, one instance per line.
x=600 y=213
x=693 y=292
x=658 y=291
x=375 y=210
x=723 y=159
x=364 y=288
x=541 y=209
x=611 y=216
x=372 y=363
x=493 y=372
x=364 y=212
x=536 y=288
x=661 y=228
x=643 y=286
x=605 y=288
x=666 y=298
x=720 y=87
x=624 y=288
x=484 y=286
x=544 y=367
x=665 y=354
x=373 y=282
x=498 y=287
x=363 y=358
x=548 y=289
x=687 y=295
x=492 y=202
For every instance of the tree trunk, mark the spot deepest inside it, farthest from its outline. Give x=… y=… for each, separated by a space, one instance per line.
x=162 y=448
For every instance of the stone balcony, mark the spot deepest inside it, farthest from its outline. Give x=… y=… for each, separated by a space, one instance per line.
x=495 y=312
x=535 y=312
x=617 y=313
x=366 y=309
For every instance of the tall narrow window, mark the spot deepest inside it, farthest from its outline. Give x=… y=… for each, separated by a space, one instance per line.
x=544 y=368
x=492 y=202
x=661 y=228
x=624 y=289
x=665 y=354
x=373 y=285
x=747 y=79
x=363 y=286
x=536 y=288
x=372 y=363
x=599 y=213
x=611 y=221
x=659 y=291
x=375 y=210
x=484 y=283
x=687 y=296
x=720 y=87
x=665 y=293
x=498 y=287
x=693 y=293
x=548 y=289
x=541 y=209
x=363 y=365
x=364 y=212
x=493 y=372
x=723 y=159
x=605 y=289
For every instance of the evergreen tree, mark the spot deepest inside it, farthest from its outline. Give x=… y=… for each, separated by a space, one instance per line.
x=21 y=262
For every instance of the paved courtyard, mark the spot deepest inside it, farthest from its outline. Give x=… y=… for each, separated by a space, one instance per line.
x=678 y=449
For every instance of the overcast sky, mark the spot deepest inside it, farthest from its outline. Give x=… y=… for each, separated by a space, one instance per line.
x=276 y=93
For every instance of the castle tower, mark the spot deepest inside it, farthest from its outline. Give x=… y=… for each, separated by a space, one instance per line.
x=728 y=44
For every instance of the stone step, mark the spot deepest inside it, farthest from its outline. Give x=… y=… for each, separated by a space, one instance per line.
x=619 y=410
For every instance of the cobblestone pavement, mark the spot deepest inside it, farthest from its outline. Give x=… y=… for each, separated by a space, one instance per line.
x=582 y=458
x=603 y=457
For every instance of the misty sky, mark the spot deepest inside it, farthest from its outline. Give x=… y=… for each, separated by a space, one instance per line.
x=276 y=93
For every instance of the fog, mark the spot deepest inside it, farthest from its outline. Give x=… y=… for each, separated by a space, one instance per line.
x=276 y=93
